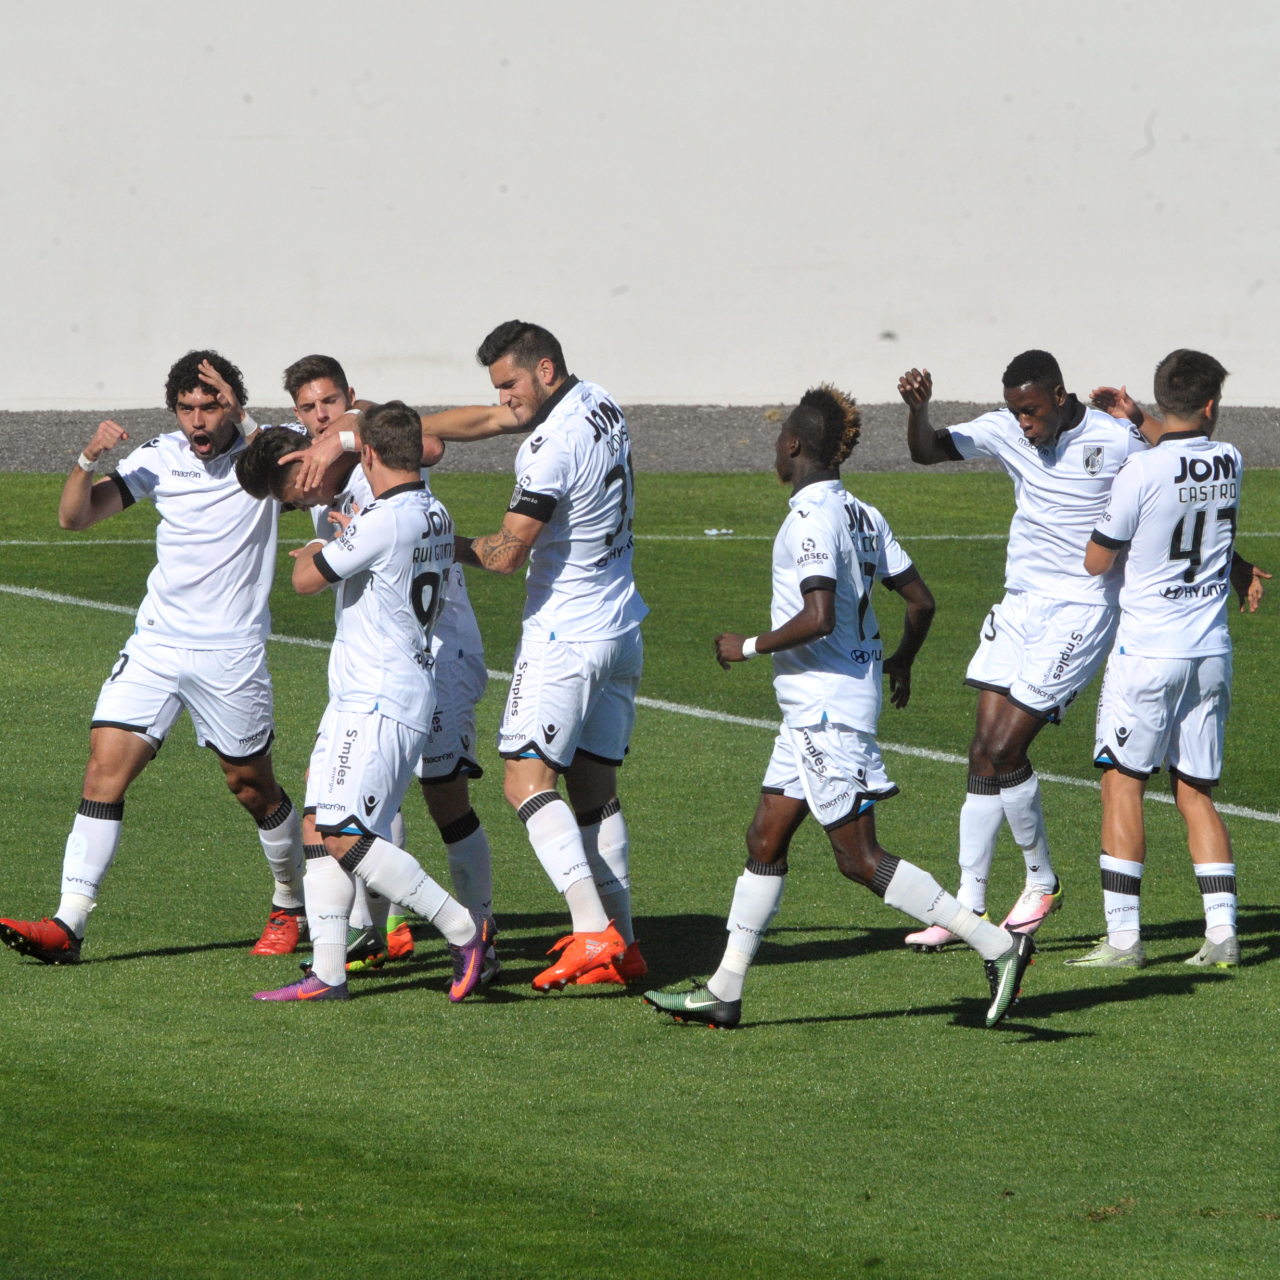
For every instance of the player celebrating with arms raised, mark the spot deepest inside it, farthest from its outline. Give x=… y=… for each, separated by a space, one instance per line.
x=827 y=664
x=572 y=702
x=1167 y=688
x=1045 y=640
x=199 y=643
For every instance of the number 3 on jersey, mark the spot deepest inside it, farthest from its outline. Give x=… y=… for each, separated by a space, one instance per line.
x=619 y=472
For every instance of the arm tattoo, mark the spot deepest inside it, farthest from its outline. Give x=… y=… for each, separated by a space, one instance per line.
x=500 y=552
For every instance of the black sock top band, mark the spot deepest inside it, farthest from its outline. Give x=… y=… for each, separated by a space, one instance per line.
x=315 y=851
x=1216 y=884
x=1118 y=882
x=1015 y=777
x=980 y=786
x=592 y=816
x=460 y=828
x=534 y=803
x=278 y=815
x=355 y=855
x=767 y=868
x=103 y=810
x=884 y=874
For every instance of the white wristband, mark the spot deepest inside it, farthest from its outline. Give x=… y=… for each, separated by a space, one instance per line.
x=749 y=646
x=86 y=464
x=348 y=441
x=247 y=425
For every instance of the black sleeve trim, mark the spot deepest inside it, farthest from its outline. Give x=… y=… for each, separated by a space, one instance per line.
x=896 y=581
x=541 y=506
x=949 y=446
x=1111 y=544
x=126 y=494
x=326 y=569
x=817 y=584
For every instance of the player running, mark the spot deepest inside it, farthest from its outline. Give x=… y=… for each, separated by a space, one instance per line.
x=571 y=707
x=322 y=397
x=827 y=662
x=392 y=563
x=1044 y=641
x=1167 y=688
x=199 y=643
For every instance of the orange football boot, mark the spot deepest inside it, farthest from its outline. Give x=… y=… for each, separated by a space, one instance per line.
x=631 y=968
x=280 y=937
x=580 y=952
x=400 y=942
x=49 y=941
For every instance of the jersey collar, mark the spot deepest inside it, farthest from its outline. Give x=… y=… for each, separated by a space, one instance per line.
x=550 y=403
x=407 y=487
x=1184 y=435
x=816 y=477
x=1075 y=416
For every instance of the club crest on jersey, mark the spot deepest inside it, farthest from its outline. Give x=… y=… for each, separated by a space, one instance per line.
x=808 y=545
x=1093 y=459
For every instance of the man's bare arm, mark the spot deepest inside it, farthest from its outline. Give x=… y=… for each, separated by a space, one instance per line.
x=84 y=503
x=502 y=552
x=816 y=619
x=916 y=389
x=1120 y=404
x=471 y=422
x=915 y=628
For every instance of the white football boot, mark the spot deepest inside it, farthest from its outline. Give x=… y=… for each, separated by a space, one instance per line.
x=1035 y=903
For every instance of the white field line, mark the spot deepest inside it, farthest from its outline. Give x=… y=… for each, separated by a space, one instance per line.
x=678 y=708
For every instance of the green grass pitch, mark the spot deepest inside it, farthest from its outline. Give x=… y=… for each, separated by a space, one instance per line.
x=159 y=1123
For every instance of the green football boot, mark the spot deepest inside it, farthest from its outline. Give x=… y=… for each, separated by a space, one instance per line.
x=1105 y=956
x=1221 y=955
x=696 y=1005
x=366 y=950
x=1005 y=975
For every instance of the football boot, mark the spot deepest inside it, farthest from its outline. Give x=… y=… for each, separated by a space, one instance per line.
x=283 y=933
x=1005 y=975
x=631 y=968
x=49 y=941
x=1034 y=905
x=696 y=1005
x=308 y=988
x=579 y=953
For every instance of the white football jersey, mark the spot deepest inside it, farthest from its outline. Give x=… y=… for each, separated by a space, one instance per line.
x=1060 y=493
x=215 y=546
x=457 y=634
x=574 y=474
x=393 y=563
x=833 y=542
x=1175 y=508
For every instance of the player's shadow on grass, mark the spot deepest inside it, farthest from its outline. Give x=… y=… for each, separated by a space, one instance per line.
x=158 y=953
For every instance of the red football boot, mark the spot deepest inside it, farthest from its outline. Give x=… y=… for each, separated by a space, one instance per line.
x=579 y=953
x=49 y=941
x=280 y=937
x=631 y=968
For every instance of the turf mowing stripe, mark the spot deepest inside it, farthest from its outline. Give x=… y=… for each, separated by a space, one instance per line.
x=679 y=708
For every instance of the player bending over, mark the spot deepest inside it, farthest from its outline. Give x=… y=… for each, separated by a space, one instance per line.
x=571 y=707
x=827 y=663
x=392 y=565
x=199 y=643
x=1044 y=641
x=1167 y=688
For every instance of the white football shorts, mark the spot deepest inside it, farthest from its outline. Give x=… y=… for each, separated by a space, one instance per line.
x=227 y=693
x=451 y=742
x=361 y=766
x=1041 y=652
x=1164 y=712
x=838 y=772
x=570 y=696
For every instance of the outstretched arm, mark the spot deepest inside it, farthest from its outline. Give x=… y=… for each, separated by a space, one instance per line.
x=1248 y=581
x=83 y=503
x=502 y=552
x=1120 y=404
x=473 y=422
x=915 y=629
x=916 y=388
x=815 y=620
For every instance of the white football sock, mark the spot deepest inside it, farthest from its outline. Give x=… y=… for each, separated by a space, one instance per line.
x=1121 y=890
x=90 y=851
x=360 y=917
x=607 y=846
x=1020 y=796
x=281 y=835
x=553 y=832
x=470 y=863
x=330 y=893
x=398 y=877
x=399 y=833
x=980 y=819
x=914 y=891
x=756 y=898
x=1217 y=882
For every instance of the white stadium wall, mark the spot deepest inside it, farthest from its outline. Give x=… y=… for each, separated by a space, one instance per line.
x=708 y=202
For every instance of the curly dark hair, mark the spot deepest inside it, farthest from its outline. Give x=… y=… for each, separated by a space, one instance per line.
x=827 y=424
x=258 y=468
x=185 y=376
x=1038 y=368
x=528 y=344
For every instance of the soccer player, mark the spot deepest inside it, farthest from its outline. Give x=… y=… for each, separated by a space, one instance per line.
x=571 y=707
x=392 y=565
x=1167 y=688
x=828 y=657
x=199 y=643
x=1045 y=640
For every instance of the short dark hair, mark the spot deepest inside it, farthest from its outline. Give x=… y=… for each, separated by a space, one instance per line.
x=394 y=432
x=308 y=369
x=185 y=376
x=258 y=468
x=528 y=344
x=827 y=424
x=1036 y=367
x=1186 y=381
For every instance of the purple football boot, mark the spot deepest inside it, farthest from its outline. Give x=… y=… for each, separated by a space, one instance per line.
x=308 y=988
